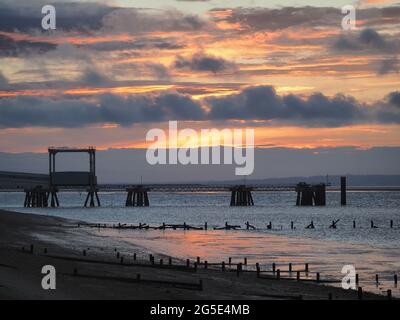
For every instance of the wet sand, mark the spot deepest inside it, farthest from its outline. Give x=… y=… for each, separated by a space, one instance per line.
x=100 y=274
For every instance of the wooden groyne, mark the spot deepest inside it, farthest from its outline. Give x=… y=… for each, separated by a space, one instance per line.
x=278 y=272
x=332 y=224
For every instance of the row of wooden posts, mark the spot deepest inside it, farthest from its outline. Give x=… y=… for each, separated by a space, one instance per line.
x=277 y=272
x=307 y=195
x=227 y=226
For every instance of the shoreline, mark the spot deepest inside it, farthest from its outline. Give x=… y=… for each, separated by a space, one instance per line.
x=100 y=273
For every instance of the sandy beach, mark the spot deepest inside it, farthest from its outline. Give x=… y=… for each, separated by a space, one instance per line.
x=89 y=266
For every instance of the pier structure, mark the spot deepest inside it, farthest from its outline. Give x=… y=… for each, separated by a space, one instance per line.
x=308 y=195
x=241 y=196
x=40 y=197
x=36 y=197
x=137 y=196
x=73 y=178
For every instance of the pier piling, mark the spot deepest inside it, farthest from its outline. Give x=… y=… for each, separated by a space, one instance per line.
x=343 y=199
x=308 y=195
x=241 y=196
x=91 y=196
x=137 y=197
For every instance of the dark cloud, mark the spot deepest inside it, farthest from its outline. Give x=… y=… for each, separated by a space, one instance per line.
x=93 y=77
x=137 y=21
x=159 y=71
x=89 y=16
x=253 y=103
x=263 y=103
x=256 y=19
x=394 y=98
x=390 y=65
x=140 y=44
x=12 y=48
x=79 y=16
x=282 y=18
x=368 y=41
x=204 y=62
x=25 y=111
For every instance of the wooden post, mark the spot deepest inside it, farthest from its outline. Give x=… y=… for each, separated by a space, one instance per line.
x=84 y=253
x=122 y=260
x=357 y=280
x=205 y=264
x=290 y=267
x=230 y=261
x=395 y=279
x=354 y=224
x=389 y=294
x=187 y=263
x=198 y=260
x=161 y=262
x=343 y=199
x=376 y=279
x=205 y=226
x=360 y=293
x=291 y=225
x=278 y=274
x=318 y=276
x=245 y=261
x=391 y=224
x=258 y=269
x=306 y=267
x=134 y=256
x=195 y=266
x=298 y=275
x=223 y=266
x=170 y=261
x=273 y=267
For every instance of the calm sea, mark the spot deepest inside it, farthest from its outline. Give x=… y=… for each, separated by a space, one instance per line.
x=370 y=250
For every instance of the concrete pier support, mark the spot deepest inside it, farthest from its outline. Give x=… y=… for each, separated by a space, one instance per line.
x=308 y=195
x=241 y=196
x=137 y=197
x=92 y=196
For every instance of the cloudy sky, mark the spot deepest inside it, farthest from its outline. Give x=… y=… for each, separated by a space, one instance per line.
x=115 y=69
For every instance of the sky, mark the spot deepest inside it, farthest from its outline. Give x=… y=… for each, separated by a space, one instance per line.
x=112 y=70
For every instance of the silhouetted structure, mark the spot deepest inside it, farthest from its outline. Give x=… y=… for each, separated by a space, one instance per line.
x=68 y=179
x=343 y=200
x=137 y=197
x=241 y=196
x=308 y=195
